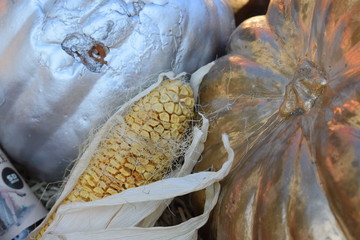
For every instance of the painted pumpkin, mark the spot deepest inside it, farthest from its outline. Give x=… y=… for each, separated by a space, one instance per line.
x=67 y=65
x=288 y=95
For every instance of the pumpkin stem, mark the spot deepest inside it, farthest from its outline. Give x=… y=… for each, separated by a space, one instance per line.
x=86 y=50
x=301 y=93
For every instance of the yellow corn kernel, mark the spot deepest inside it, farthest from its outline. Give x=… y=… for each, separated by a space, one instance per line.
x=174 y=118
x=188 y=101
x=175 y=133
x=154 y=136
x=129 y=185
x=164 y=116
x=138 y=177
x=125 y=171
x=130 y=159
x=140 y=169
x=135 y=151
x=159 y=129
x=139 y=121
x=154 y=94
x=102 y=184
x=169 y=107
x=150 y=168
x=129 y=119
x=130 y=180
x=166 y=125
x=136 y=108
x=185 y=90
x=154 y=100
x=147 y=175
x=72 y=198
x=111 y=170
x=145 y=134
x=120 y=177
x=153 y=122
x=130 y=166
x=90 y=182
x=164 y=98
x=86 y=189
x=135 y=127
x=173 y=96
x=93 y=197
x=158 y=107
x=84 y=194
x=147 y=127
x=177 y=110
x=106 y=180
x=182 y=118
x=114 y=163
x=166 y=135
x=97 y=190
x=147 y=107
x=111 y=191
x=173 y=88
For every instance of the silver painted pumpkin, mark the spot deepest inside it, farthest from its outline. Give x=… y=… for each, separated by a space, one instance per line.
x=66 y=65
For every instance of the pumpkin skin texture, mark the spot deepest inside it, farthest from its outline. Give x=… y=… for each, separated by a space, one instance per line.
x=288 y=95
x=68 y=65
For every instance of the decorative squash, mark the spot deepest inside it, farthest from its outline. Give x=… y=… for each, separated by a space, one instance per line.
x=288 y=95
x=67 y=65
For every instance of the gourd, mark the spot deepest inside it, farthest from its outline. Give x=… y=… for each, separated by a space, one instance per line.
x=68 y=65
x=288 y=95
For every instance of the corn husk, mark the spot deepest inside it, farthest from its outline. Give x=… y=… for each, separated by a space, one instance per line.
x=132 y=213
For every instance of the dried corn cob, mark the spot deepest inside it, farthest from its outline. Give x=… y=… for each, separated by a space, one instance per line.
x=140 y=149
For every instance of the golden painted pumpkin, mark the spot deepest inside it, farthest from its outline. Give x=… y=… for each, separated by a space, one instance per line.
x=288 y=95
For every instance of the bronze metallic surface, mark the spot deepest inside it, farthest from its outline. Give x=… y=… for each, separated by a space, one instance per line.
x=288 y=95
